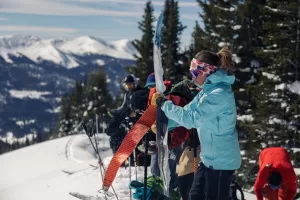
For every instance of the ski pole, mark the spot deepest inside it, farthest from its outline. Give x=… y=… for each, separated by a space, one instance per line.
x=145 y=166
x=103 y=130
x=99 y=157
x=97 y=151
x=129 y=159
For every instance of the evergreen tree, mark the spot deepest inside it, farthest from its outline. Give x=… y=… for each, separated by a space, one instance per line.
x=102 y=97
x=144 y=61
x=280 y=55
x=64 y=123
x=172 y=31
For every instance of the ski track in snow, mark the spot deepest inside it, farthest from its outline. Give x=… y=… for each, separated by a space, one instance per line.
x=62 y=169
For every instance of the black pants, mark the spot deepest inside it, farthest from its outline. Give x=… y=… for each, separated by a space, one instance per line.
x=210 y=184
x=185 y=184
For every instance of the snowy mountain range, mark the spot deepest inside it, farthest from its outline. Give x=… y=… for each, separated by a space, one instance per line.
x=35 y=73
x=61 y=52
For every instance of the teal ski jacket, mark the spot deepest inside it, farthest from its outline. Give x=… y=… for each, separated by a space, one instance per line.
x=213 y=113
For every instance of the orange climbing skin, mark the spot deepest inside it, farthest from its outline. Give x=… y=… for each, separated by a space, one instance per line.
x=137 y=132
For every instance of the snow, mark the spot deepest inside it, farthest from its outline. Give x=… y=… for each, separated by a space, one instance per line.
x=236 y=59
x=252 y=80
x=53 y=169
x=45 y=50
x=271 y=76
x=236 y=27
x=21 y=123
x=90 y=45
x=62 y=51
x=11 y=139
x=283 y=104
x=99 y=62
x=215 y=34
x=235 y=36
x=271 y=9
x=90 y=105
x=275 y=120
x=222 y=44
x=53 y=110
x=231 y=9
x=31 y=94
x=12 y=43
x=263 y=145
x=295 y=150
x=294 y=87
x=247 y=69
x=245 y=118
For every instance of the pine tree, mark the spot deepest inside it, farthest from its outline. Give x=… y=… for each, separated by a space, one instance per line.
x=281 y=56
x=64 y=123
x=144 y=61
x=268 y=39
x=219 y=19
x=76 y=104
x=172 y=31
x=102 y=96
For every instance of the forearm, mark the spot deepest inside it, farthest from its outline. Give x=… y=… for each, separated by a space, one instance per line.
x=177 y=114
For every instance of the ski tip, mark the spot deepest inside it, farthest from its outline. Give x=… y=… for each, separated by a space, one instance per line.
x=158 y=30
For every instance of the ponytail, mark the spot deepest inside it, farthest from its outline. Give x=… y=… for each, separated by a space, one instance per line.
x=225 y=56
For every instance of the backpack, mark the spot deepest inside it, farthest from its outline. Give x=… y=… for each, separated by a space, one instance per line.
x=155 y=188
x=180 y=94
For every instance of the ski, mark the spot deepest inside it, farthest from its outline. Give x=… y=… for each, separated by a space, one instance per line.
x=161 y=119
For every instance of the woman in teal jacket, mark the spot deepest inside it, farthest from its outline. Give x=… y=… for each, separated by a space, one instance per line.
x=213 y=113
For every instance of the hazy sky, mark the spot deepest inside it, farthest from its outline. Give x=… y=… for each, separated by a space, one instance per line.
x=106 y=19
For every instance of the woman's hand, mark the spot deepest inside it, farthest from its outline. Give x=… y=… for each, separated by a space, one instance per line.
x=153 y=128
x=155 y=96
x=157 y=99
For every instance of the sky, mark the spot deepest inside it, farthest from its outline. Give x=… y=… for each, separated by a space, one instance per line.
x=106 y=19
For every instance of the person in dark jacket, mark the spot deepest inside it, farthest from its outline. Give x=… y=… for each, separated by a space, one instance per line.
x=131 y=85
x=117 y=127
x=116 y=130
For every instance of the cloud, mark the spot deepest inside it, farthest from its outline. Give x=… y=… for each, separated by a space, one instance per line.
x=50 y=7
x=3 y=19
x=125 y=22
x=156 y=3
x=5 y=28
x=189 y=16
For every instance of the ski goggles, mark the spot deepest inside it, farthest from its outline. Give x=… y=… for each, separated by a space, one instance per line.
x=197 y=67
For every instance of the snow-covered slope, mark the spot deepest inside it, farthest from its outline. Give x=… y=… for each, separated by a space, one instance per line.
x=47 y=50
x=13 y=43
x=53 y=169
x=91 y=45
x=62 y=52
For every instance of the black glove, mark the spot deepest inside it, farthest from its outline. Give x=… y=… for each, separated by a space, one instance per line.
x=160 y=101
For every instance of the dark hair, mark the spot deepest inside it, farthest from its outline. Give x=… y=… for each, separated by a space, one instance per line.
x=222 y=59
x=275 y=178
